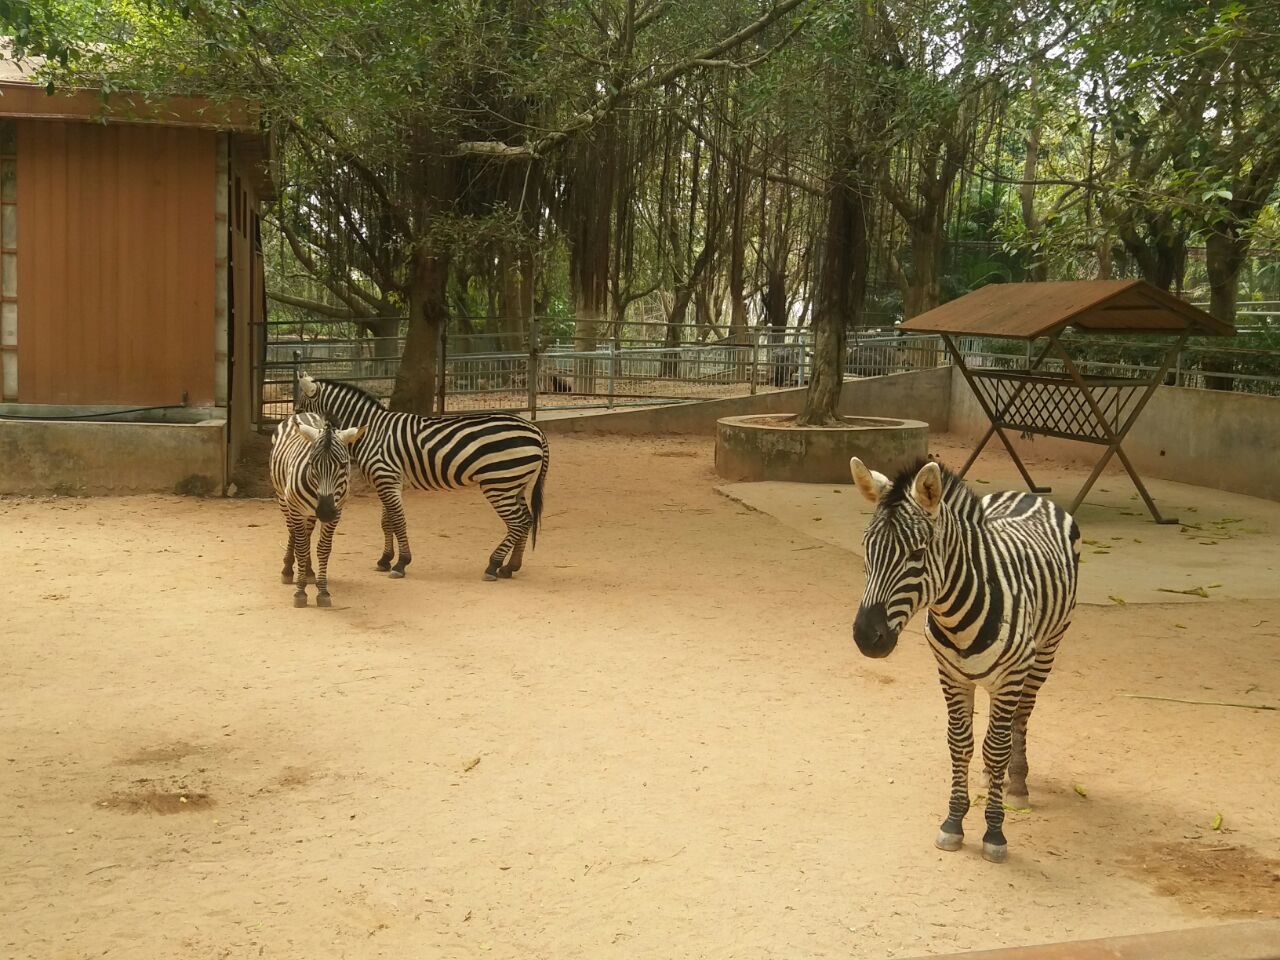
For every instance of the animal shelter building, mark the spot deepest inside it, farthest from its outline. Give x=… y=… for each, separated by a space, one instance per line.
x=132 y=287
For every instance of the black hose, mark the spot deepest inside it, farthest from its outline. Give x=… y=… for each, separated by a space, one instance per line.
x=94 y=416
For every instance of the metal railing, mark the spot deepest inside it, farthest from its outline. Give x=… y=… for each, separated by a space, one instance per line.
x=647 y=363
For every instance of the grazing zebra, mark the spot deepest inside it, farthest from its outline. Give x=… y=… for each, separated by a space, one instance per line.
x=998 y=575
x=503 y=454
x=310 y=471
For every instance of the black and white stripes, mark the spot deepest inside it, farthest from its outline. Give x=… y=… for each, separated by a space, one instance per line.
x=310 y=472
x=998 y=575
x=504 y=455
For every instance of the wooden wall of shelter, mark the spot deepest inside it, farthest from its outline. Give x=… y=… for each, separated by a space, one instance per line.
x=115 y=263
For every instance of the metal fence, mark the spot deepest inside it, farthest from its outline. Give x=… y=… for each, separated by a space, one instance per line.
x=650 y=363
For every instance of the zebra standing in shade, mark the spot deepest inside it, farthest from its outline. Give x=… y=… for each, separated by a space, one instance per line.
x=310 y=471
x=503 y=454
x=998 y=575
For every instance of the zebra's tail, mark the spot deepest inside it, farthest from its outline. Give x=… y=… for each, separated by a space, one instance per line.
x=535 y=499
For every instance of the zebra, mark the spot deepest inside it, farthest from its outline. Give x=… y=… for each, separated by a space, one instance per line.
x=310 y=472
x=503 y=454
x=998 y=575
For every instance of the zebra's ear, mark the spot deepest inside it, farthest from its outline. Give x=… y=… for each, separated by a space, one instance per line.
x=308 y=431
x=873 y=485
x=926 y=488
x=352 y=434
x=307 y=385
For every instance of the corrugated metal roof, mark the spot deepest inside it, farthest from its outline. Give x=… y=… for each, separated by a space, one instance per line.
x=1030 y=310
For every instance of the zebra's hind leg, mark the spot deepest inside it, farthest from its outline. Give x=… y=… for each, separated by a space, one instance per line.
x=393 y=523
x=514 y=512
x=286 y=572
x=388 y=541
x=1018 y=797
x=996 y=750
x=959 y=695
x=323 y=549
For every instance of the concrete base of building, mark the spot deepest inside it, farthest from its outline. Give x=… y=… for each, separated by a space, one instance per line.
x=773 y=448
x=88 y=458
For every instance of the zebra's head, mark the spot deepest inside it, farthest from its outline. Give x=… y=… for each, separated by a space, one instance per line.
x=900 y=548
x=329 y=464
x=308 y=395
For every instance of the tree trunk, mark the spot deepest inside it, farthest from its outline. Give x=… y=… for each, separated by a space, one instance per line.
x=1224 y=254
x=415 y=389
x=923 y=292
x=841 y=286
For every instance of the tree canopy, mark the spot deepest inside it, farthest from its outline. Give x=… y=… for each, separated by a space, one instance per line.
x=737 y=163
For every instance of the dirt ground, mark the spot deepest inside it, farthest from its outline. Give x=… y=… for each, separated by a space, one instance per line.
x=658 y=741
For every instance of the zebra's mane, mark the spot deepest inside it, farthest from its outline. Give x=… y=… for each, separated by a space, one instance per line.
x=955 y=492
x=358 y=393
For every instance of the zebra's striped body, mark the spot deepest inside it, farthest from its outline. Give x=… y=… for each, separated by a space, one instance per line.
x=502 y=454
x=310 y=472
x=998 y=575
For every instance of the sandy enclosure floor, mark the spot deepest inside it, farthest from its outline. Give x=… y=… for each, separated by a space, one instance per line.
x=658 y=741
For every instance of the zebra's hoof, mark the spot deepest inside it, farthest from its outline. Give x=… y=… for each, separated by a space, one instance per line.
x=287 y=577
x=490 y=576
x=1017 y=803
x=949 y=841
x=397 y=574
x=384 y=565
x=504 y=573
x=995 y=852
x=299 y=599
x=323 y=600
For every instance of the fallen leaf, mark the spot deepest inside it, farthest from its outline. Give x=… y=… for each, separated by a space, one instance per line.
x=1119 y=600
x=1217 y=822
x=1193 y=592
x=470 y=764
x=1081 y=790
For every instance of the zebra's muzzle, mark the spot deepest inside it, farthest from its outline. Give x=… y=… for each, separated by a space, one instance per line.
x=872 y=633
x=326 y=509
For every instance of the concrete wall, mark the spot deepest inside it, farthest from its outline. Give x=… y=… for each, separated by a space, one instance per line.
x=1210 y=438
x=919 y=395
x=83 y=458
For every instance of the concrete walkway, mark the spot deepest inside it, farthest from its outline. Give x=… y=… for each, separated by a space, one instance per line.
x=1226 y=543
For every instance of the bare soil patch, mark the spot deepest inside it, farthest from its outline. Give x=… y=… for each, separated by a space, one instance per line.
x=149 y=797
x=1221 y=879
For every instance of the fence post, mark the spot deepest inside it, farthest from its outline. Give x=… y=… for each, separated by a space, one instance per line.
x=535 y=366
x=755 y=361
x=297 y=367
x=1177 y=370
x=613 y=368
x=441 y=366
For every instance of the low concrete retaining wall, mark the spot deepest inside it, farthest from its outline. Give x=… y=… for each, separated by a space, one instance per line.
x=920 y=395
x=754 y=448
x=1210 y=438
x=85 y=458
x=1233 y=941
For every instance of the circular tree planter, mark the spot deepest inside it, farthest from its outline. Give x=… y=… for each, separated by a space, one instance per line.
x=773 y=447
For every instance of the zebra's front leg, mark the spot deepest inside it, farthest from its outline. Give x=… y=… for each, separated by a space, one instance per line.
x=305 y=560
x=323 y=549
x=996 y=750
x=301 y=548
x=959 y=694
